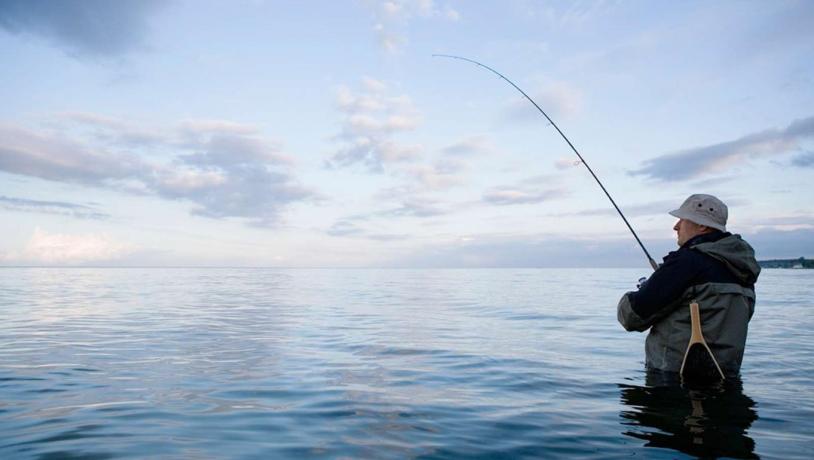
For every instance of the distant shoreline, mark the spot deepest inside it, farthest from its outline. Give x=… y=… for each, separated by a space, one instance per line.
x=801 y=262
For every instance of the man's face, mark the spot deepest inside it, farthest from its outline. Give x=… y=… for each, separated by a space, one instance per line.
x=686 y=230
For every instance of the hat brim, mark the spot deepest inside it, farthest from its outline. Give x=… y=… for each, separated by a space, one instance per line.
x=700 y=220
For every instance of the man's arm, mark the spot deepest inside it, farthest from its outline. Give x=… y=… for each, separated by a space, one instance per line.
x=638 y=310
x=628 y=318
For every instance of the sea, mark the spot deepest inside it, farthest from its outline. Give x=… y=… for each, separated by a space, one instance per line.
x=254 y=363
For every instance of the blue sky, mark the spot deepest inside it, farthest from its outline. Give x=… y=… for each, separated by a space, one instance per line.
x=324 y=134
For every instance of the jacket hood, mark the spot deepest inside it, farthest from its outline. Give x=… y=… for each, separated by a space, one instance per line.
x=736 y=254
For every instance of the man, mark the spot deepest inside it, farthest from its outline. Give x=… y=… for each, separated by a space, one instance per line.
x=713 y=267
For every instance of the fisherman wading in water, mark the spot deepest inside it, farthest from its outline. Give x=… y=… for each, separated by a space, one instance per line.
x=716 y=269
x=713 y=267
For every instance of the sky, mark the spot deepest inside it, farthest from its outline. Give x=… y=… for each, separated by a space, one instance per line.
x=257 y=133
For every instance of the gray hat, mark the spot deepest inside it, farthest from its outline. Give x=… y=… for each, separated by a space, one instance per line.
x=703 y=210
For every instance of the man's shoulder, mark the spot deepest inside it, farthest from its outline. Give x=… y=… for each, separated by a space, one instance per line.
x=684 y=254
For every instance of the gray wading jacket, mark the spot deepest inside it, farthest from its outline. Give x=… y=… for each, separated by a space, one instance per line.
x=718 y=272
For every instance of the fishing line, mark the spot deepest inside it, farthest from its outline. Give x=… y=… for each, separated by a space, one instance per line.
x=582 y=160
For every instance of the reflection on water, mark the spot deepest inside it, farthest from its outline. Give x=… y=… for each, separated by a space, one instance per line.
x=702 y=422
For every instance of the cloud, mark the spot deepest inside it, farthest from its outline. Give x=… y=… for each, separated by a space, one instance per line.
x=782 y=222
x=225 y=169
x=62 y=208
x=475 y=145
x=58 y=248
x=646 y=209
x=393 y=17
x=416 y=207
x=712 y=182
x=390 y=41
x=344 y=228
x=371 y=119
x=804 y=160
x=200 y=127
x=511 y=195
x=233 y=173
x=249 y=191
x=440 y=176
x=362 y=225
x=110 y=130
x=452 y=14
x=567 y=163
x=558 y=99
x=347 y=228
x=718 y=158
x=60 y=159
x=447 y=169
x=386 y=237
x=567 y=15
x=186 y=134
x=82 y=28
x=230 y=150
x=408 y=206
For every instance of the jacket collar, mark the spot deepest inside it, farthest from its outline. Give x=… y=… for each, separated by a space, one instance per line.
x=706 y=238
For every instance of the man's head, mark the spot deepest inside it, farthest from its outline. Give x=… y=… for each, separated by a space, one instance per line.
x=699 y=214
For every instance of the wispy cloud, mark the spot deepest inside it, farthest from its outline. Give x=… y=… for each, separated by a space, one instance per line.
x=473 y=145
x=636 y=210
x=348 y=228
x=58 y=158
x=512 y=195
x=371 y=119
x=568 y=14
x=392 y=18
x=567 y=162
x=558 y=99
x=408 y=206
x=345 y=227
x=719 y=158
x=804 y=160
x=411 y=199
x=441 y=175
x=449 y=167
x=62 y=208
x=226 y=170
x=794 y=221
x=387 y=237
x=368 y=225
x=416 y=207
x=712 y=182
x=61 y=248
x=82 y=28
x=110 y=130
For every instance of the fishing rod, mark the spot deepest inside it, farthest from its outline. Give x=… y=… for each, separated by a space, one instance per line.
x=582 y=160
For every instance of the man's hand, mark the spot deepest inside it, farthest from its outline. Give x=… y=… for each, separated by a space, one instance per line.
x=641 y=282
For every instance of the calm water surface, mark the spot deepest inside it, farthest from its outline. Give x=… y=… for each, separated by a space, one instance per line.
x=262 y=363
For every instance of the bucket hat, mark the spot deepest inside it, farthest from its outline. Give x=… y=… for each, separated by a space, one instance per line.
x=703 y=210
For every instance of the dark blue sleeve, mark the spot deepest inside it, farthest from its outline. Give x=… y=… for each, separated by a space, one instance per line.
x=666 y=284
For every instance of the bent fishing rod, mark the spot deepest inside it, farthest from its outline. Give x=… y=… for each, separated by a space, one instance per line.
x=582 y=160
